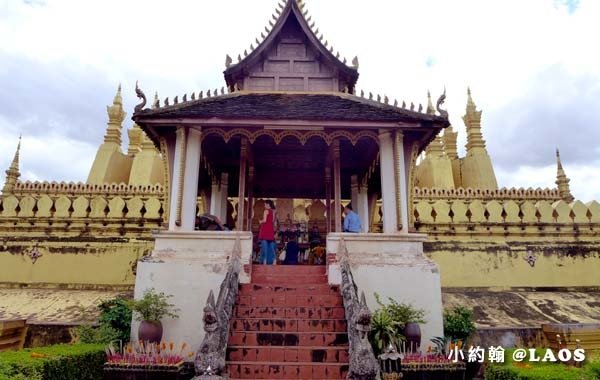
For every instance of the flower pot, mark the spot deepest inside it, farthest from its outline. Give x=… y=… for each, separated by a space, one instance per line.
x=412 y=333
x=150 y=332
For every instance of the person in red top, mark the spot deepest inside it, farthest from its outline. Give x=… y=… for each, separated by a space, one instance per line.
x=266 y=234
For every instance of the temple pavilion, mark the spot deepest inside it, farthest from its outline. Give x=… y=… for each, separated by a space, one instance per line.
x=288 y=124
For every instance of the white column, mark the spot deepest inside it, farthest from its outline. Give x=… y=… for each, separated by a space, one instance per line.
x=215 y=197
x=224 y=184
x=359 y=202
x=354 y=192
x=362 y=206
x=177 y=179
x=337 y=186
x=401 y=185
x=388 y=183
x=190 y=183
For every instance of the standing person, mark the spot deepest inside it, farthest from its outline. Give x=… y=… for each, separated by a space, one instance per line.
x=351 y=220
x=266 y=234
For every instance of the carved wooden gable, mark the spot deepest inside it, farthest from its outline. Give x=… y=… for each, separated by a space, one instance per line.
x=291 y=58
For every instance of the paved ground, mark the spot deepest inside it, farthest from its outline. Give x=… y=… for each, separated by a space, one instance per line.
x=52 y=305
x=492 y=309
x=527 y=308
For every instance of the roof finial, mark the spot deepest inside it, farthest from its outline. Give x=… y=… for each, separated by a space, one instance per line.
x=140 y=94
x=355 y=62
x=440 y=101
x=12 y=174
x=228 y=60
x=430 y=109
x=156 y=102
x=562 y=181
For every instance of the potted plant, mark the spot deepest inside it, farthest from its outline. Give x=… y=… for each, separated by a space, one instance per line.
x=149 y=310
x=384 y=331
x=407 y=319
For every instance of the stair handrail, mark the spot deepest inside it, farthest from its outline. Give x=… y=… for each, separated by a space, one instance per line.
x=363 y=363
x=210 y=357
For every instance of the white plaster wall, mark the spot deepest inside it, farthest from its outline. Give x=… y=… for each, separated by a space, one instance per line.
x=393 y=265
x=188 y=265
x=189 y=283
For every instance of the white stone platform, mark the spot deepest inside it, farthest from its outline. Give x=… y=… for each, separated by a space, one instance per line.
x=188 y=265
x=393 y=265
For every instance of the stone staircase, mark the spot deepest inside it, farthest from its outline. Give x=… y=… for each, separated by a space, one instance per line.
x=288 y=324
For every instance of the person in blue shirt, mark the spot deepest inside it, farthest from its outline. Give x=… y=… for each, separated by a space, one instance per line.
x=351 y=220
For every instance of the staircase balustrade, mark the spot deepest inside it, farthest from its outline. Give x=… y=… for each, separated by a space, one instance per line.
x=363 y=363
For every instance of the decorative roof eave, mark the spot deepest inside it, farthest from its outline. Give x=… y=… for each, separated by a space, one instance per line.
x=412 y=114
x=235 y=70
x=152 y=120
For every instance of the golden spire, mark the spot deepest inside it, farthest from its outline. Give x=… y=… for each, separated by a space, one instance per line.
x=135 y=140
x=435 y=148
x=116 y=115
x=430 y=108
x=562 y=181
x=449 y=140
x=12 y=174
x=147 y=144
x=472 y=121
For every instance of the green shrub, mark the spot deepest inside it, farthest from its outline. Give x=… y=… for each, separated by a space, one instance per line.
x=116 y=313
x=100 y=334
x=458 y=323
x=59 y=362
x=542 y=370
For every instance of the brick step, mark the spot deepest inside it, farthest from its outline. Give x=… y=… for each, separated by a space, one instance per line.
x=300 y=289
x=284 y=279
x=285 y=300
x=317 y=312
x=289 y=269
x=288 y=325
x=253 y=370
x=288 y=354
x=290 y=338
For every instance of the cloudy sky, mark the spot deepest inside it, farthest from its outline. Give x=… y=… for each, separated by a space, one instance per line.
x=533 y=67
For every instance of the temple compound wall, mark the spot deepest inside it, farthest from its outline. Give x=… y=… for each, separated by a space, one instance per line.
x=82 y=235
x=76 y=235
x=509 y=238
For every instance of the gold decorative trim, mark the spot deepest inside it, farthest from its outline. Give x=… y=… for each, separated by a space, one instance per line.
x=301 y=136
x=398 y=144
x=414 y=153
x=486 y=194
x=182 y=139
x=164 y=150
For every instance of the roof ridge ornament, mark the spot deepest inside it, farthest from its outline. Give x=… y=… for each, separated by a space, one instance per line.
x=430 y=109
x=140 y=94
x=156 y=103
x=355 y=62
x=440 y=101
x=228 y=60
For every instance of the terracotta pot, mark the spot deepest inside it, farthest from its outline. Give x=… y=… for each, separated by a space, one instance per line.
x=150 y=332
x=412 y=333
